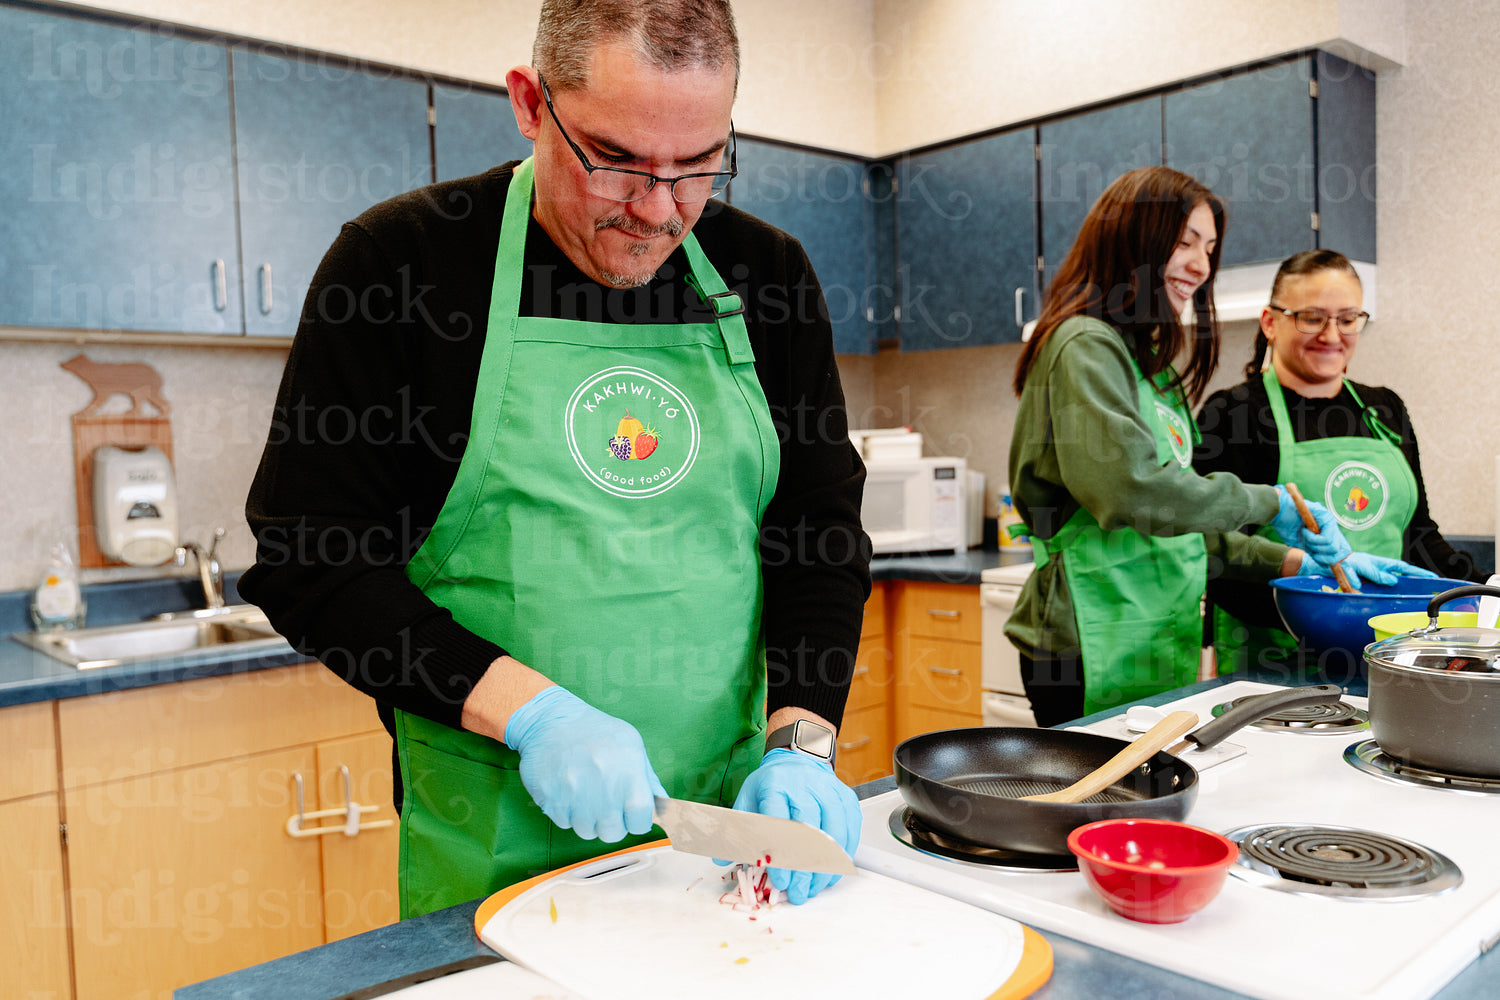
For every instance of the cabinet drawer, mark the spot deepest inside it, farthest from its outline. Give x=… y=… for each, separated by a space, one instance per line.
x=864 y=746
x=915 y=720
x=106 y=737
x=871 y=684
x=30 y=751
x=874 y=620
x=942 y=610
x=941 y=674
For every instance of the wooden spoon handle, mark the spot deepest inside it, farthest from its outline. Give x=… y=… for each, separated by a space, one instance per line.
x=1133 y=756
x=1312 y=525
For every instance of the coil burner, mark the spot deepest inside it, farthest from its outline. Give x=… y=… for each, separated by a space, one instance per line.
x=1329 y=718
x=1368 y=757
x=1340 y=862
x=911 y=831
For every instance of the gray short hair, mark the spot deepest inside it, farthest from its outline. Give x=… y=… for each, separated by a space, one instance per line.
x=671 y=34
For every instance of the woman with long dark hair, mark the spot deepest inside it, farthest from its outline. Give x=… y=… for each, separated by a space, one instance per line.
x=1100 y=462
x=1298 y=417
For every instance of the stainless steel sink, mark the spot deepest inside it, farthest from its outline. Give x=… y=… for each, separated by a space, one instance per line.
x=179 y=635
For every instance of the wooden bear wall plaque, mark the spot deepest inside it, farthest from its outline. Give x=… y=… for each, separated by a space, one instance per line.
x=135 y=428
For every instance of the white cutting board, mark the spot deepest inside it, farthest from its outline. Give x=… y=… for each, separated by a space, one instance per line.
x=648 y=923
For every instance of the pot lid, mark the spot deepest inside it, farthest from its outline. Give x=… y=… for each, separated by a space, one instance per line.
x=1463 y=649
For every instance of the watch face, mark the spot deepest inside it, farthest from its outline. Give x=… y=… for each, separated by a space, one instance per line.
x=813 y=738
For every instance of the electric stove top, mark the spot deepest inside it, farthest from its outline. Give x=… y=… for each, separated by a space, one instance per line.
x=1258 y=938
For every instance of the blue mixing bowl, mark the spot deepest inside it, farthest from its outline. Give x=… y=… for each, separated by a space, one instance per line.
x=1323 y=618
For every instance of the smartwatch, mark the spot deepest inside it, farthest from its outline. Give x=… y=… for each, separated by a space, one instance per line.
x=804 y=736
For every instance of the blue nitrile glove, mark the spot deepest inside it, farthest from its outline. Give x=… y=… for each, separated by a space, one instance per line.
x=587 y=770
x=792 y=785
x=1327 y=546
x=1379 y=569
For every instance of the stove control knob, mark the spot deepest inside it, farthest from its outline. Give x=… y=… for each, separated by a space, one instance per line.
x=1139 y=718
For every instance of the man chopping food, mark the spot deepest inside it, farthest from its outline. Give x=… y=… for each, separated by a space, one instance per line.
x=570 y=492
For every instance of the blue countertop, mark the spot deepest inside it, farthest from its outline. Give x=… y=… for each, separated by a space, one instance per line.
x=413 y=950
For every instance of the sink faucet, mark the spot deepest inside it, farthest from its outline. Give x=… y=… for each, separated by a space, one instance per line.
x=210 y=573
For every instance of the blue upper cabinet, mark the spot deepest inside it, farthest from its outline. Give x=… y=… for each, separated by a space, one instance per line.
x=966 y=242
x=116 y=178
x=1082 y=155
x=317 y=143
x=1250 y=139
x=474 y=131
x=822 y=200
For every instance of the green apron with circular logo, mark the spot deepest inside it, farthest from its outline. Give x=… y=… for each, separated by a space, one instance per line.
x=1136 y=597
x=603 y=527
x=1364 y=481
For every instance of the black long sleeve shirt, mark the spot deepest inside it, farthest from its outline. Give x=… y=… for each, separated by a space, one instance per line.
x=1239 y=436
x=374 y=410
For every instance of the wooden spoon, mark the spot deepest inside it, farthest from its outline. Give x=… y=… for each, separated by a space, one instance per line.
x=1312 y=526
x=1140 y=750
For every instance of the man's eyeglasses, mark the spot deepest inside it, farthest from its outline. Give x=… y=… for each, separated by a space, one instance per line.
x=619 y=184
x=1313 y=321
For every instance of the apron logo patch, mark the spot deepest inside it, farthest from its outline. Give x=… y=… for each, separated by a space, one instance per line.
x=631 y=432
x=1179 y=437
x=1356 y=493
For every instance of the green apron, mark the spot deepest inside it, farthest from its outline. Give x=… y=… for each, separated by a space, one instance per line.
x=1365 y=482
x=603 y=528
x=1136 y=597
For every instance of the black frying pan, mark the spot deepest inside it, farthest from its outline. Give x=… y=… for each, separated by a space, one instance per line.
x=968 y=782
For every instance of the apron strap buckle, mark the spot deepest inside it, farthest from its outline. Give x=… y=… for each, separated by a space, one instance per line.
x=725 y=304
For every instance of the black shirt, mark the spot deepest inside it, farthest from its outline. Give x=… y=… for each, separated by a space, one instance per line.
x=1239 y=436
x=373 y=414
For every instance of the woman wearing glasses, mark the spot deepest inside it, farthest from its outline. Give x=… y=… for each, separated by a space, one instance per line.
x=1351 y=446
x=1100 y=460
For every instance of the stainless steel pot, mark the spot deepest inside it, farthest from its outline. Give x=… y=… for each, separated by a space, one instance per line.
x=1435 y=693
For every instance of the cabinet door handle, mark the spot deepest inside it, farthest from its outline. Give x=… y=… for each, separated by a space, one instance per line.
x=945 y=671
x=265 y=289
x=861 y=671
x=351 y=811
x=221 y=288
x=1020 y=297
x=943 y=612
x=854 y=744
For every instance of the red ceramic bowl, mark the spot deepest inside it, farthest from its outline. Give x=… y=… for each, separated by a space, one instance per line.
x=1152 y=870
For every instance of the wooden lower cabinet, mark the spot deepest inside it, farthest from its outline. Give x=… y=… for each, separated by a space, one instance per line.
x=181 y=876
x=937 y=683
x=176 y=800
x=864 y=746
x=918 y=719
x=33 y=916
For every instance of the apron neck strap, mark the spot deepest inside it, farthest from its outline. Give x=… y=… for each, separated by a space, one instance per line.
x=505 y=298
x=1275 y=394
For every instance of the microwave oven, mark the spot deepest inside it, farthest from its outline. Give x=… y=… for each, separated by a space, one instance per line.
x=916 y=504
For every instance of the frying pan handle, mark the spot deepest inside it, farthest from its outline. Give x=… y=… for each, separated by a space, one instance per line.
x=1258 y=707
x=1471 y=590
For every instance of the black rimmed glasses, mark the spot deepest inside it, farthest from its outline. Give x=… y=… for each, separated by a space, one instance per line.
x=1315 y=321
x=619 y=184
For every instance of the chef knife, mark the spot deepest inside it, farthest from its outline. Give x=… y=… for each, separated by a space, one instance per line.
x=737 y=835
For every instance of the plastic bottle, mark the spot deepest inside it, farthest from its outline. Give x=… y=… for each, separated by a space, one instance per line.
x=57 y=601
x=1008 y=517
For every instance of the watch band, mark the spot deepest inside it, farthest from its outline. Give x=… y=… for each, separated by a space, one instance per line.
x=805 y=736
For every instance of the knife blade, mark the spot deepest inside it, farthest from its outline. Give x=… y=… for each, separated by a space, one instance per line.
x=736 y=835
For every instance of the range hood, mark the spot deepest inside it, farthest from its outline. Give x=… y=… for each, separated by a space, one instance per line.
x=1240 y=292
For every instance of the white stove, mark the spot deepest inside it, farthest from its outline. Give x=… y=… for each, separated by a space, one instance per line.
x=1253 y=938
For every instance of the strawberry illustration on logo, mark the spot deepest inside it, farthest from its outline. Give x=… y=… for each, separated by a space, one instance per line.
x=1176 y=437
x=1357 y=500
x=646 y=442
